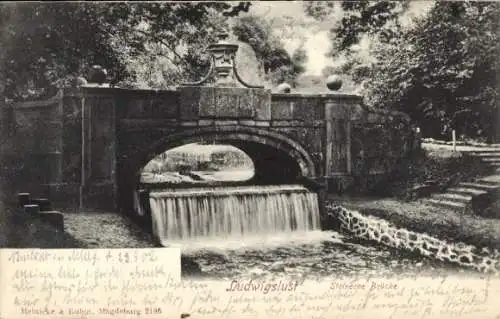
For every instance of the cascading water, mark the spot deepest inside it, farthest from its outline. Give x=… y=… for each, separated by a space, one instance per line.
x=138 y=207
x=266 y=230
x=200 y=214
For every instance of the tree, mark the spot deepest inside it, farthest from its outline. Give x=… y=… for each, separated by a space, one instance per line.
x=45 y=45
x=442 y=72
x=375 y=18
x=441 y=69
x=354 y=22
x=40 y=44
x=289 y=71
x=276 y=62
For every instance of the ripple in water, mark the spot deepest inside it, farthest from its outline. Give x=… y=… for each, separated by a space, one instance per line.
x=315 y=255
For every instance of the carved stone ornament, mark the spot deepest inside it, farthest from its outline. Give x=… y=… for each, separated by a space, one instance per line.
x=223 y=67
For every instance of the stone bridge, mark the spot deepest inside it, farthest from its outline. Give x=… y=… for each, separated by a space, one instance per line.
x=87 y=145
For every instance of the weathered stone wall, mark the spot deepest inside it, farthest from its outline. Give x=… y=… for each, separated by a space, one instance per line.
x=302 y=118
x=381 y=142
x=220 y=103
x=32 y=145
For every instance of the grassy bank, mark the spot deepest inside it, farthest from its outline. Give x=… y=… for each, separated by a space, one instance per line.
x=444 y=224
x=441 y=167
x=445 y=168
x=19 y=230
x=22 y=231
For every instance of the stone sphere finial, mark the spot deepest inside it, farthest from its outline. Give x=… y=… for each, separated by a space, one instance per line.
x=284 y=88
x=80 y=81
x=98 y=75
x=334 y=82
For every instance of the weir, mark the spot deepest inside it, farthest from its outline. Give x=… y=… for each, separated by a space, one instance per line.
x=232 y=213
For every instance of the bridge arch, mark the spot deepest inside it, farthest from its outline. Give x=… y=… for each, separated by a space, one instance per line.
x=251 y=140
x=277 y=157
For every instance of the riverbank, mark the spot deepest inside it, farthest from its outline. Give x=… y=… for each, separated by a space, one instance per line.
x=447 y=167
x=112 y=230
x=441 y=223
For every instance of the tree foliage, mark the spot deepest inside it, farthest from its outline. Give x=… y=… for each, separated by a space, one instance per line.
x=353 y=22
x=442 y=71
x=377 y=19
x=44 y=45
x=278 y=65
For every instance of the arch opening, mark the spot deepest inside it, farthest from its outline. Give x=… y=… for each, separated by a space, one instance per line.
x=198 y=164
x=258 y=161
x=275 y=159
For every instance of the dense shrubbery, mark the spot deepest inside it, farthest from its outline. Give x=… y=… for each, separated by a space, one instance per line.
x=444 y=170
x=277 y=64
x=441 y=69
x=46 y=46
x=150 y=45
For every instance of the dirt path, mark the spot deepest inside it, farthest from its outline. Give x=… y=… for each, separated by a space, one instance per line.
x=82 y=230
x=460 y=148
x=106 y=230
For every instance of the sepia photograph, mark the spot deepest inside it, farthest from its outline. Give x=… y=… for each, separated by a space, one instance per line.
x=267 y=140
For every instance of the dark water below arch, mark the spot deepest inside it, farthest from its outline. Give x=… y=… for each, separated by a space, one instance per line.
x=261 y=231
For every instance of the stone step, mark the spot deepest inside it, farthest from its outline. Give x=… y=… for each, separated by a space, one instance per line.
x=483 y=150
x=496 y=164
x=486 y=155
x=490 y=159
x=444 y=203
x=458 y=198
x=490 y=180
x=480 y=186
x=466 y=191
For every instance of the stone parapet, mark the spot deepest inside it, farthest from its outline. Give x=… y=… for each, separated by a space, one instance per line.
x=224 y=103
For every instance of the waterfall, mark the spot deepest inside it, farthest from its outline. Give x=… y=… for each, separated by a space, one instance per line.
x=232 y=212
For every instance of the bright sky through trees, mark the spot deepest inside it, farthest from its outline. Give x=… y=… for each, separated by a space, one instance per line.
x=290 y=16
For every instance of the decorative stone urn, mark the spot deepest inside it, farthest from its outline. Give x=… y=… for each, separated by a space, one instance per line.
x=222 y=94
x=223 y=67
x=223 y=54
